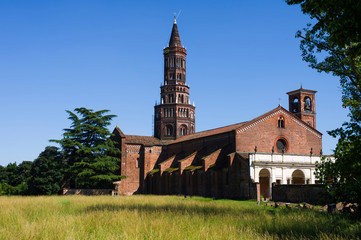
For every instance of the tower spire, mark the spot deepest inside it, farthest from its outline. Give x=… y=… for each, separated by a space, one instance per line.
x=174 y=116
x=174 y=38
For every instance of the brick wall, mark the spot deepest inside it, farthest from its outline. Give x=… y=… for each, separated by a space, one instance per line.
x=87 y=191
x=265 y=134
x=311 y=193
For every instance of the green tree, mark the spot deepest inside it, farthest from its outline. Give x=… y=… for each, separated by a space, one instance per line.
x=3 y=175
x=332 y=44
x=13 y=178
x=91 y=155
x=46 y=173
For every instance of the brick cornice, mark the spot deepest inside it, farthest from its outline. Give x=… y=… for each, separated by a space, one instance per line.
x=278 y=110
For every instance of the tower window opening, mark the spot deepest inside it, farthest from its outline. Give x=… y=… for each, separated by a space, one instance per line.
x=281 y=122
x=169 y=130
x=308 y=106
x=170 y=97
x=182 y=99
x=295 y=105
x=178 y=62
x=166 y=62
x=171 y=64
x=183 y=130
x=171 y=76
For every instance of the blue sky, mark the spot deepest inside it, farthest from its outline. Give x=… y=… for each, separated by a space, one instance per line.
x=59 y=55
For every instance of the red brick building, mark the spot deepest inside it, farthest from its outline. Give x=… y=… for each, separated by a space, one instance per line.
x=280 y=146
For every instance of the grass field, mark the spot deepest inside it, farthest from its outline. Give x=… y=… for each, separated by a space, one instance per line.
x=163 y=217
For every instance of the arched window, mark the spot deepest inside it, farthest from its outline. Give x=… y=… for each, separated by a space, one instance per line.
x=182 y=98
x=308 y=105
x=183 y=130
x=170 y=98
x=169 y=130
x=192 y=115
x=295 y=105
x=281 y=122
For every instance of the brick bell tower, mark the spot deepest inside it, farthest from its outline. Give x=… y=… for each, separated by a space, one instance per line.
x=174 y=116
x=302 y=103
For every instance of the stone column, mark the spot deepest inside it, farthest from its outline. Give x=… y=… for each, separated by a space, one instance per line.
x=312 y=176
x=284 y=176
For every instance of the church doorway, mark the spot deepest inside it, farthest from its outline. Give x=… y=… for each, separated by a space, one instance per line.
x=298 y=177
x=264 y=182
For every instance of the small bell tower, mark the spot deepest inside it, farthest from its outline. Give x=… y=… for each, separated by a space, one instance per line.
x=174 y=116
x=302 y=103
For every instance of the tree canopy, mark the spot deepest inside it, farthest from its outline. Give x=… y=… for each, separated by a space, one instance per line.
x=46 y=173
x=332 y=44
x=91 y=155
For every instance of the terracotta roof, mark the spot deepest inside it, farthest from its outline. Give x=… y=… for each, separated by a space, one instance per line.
x=118 y=131
x=174 y=38
x=145 y=140
x=255 y=120
x=302 y=90
x=210 y=132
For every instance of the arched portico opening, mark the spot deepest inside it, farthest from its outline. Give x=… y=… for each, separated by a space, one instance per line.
x=298 y=177
x=264 y=182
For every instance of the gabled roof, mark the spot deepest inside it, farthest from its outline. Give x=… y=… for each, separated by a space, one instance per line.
x=243 y=126
x=273 y=112
x=238 y=128
x=135 y=139
x=118 y=132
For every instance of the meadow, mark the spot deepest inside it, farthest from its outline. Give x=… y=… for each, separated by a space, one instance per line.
x=163 y=217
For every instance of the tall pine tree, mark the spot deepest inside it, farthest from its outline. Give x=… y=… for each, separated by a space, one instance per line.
x=92 y=157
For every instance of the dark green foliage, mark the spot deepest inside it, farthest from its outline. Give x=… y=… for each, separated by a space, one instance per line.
x=332 y=44
x=46 y=173
x=3 y=175
x=13 y=178
x=92 y=158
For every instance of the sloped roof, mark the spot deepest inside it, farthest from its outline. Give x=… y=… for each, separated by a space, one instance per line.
x=210 y=132
x=174 y=40
x=144 y=140
x=259 y=119
x=118 y=131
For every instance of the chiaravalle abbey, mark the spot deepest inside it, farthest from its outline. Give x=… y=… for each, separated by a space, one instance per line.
x=236 y=161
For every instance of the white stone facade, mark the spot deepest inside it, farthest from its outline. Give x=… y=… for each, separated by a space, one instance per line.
x=281 y=167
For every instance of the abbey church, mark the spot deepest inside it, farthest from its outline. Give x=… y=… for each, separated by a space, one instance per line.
x=278 y=147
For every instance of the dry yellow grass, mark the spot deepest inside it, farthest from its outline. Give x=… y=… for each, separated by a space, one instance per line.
x=162 y=217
